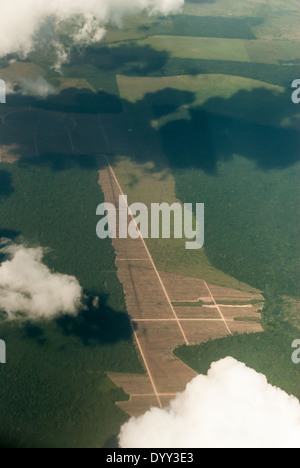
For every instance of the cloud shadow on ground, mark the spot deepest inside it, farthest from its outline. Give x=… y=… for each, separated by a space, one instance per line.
x=98 y=325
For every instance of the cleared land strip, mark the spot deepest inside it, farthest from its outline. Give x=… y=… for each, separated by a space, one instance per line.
x=159 y=326
x=111 y=172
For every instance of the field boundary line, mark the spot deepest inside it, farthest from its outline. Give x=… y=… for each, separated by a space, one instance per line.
x=146 y=365
x=181 y=320
x=217 y=306
x=133 y=260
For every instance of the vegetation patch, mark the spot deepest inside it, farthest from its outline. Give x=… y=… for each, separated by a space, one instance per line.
x=54 y=391
x=269 y=353
x=199 y=48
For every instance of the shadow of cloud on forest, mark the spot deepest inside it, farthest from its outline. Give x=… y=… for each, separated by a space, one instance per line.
x=87 y=133
x=6 y=184
x=34 y=332
x=9 y=234
x=222 y=128
x=75 y=100
x=97 y=325
x=163 y=102
x=128 y=59
x=6 y=190
x=6 y=235
x=259 y=124
x=83 y=101
x=60 y=162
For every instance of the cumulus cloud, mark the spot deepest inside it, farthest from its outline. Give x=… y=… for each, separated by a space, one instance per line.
x=38 y=87
x=21 y=21
x=232 y=407
x=29 y=289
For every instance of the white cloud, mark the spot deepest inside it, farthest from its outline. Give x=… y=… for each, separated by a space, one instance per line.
x=29 y=289
x=232 y=407
x=22 y=20
x=37 y=87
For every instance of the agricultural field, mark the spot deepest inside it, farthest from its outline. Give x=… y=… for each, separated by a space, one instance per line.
x=173 y=97
x=235 y=50
x=199 y=48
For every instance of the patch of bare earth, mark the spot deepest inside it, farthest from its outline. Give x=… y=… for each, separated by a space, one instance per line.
x=165 y=314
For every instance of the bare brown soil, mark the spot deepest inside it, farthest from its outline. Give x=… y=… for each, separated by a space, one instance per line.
x=159 y=326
